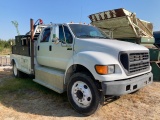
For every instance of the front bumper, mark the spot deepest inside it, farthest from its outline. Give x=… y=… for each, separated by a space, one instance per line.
x=122 y=87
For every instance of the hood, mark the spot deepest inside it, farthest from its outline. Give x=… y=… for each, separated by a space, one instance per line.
x=108 y=45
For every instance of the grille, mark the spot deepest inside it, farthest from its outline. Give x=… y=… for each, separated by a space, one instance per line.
x=138 y=56
x=135 y=62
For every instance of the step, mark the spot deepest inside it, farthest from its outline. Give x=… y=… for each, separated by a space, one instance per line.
x=50 y=78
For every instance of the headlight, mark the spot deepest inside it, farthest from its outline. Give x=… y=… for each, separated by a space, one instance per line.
x=111 y=69
x=105 y=69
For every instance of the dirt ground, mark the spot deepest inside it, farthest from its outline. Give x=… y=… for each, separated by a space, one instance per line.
x=35 y=105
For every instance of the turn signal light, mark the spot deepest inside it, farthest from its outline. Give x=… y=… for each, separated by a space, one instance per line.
x=101 y=69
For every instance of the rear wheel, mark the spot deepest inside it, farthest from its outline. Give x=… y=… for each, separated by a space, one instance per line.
x=83 y=94
x=16 y=72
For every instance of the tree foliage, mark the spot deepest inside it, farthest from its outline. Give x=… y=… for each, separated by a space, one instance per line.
x=5 y=44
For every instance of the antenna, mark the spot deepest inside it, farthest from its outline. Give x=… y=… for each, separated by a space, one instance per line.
x=15 y=23
x=81 y=15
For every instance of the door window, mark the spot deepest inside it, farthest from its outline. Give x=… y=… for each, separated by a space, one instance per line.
x=46 y=35
x=65 y=33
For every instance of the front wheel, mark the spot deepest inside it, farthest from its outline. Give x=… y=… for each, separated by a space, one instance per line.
x=83 y=94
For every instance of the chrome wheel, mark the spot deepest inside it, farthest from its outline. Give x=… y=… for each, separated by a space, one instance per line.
x=15 y=70
x=81 y=94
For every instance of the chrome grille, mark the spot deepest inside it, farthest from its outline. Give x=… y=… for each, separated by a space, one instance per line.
x=135 y=62
x=138 y=56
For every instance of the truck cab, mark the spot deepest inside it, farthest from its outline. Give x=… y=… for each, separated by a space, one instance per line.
x=52 y=54
x=82 y=60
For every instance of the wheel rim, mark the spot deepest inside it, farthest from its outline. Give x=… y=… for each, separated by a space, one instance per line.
x=15 y=70
x=81 y=94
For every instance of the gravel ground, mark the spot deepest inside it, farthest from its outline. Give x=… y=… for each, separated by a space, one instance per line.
x=35 y=105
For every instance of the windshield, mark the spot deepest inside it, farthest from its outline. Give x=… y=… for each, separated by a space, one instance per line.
x=86 y=31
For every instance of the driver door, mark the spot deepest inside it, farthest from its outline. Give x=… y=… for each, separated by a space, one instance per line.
x=62 y=52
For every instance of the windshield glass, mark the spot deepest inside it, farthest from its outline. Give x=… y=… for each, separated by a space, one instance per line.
x=86 y=31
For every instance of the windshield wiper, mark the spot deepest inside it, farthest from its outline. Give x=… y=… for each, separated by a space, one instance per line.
x=89 y=36
x=100 y=37
x=83 y=36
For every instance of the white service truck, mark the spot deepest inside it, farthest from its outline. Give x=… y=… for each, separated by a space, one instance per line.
x=83 y=61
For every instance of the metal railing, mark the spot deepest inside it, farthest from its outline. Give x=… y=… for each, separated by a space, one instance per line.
x=5 y=61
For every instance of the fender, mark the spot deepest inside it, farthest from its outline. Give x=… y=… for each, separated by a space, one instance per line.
x=23 y=63
x=13 y=58
x=89 y=59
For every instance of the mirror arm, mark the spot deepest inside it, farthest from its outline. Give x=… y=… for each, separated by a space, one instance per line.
x=64 y=42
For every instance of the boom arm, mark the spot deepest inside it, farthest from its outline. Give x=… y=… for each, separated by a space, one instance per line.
x=15 y=23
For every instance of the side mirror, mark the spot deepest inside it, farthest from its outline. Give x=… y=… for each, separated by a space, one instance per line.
x=56 y=40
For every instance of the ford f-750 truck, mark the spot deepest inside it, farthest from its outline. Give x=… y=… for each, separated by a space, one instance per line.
x=83 y=61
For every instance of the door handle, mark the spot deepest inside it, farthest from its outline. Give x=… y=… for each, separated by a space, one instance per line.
x=38 y=48
x=69 y=48
x=50 y=48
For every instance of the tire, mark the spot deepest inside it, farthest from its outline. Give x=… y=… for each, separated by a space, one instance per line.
x=16 y=72
x=83 y=94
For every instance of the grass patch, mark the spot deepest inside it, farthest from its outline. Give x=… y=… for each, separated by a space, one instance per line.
x=16 y=84
x=26 y=89
x=26 y=96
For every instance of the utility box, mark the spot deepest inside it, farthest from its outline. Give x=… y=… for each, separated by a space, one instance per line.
x=18 y=40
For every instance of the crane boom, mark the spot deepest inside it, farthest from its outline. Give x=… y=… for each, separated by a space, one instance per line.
x=15 y=23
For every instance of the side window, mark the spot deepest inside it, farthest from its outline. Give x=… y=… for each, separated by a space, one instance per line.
x=65 y=34
x=46 y=35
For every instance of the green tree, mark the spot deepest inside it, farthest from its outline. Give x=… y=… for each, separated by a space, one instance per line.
x=6 y=44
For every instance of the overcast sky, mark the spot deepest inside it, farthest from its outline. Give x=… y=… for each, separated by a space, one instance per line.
x=62 y=11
